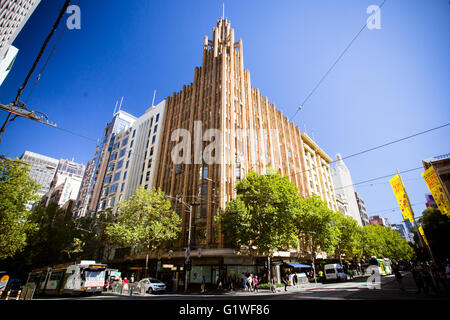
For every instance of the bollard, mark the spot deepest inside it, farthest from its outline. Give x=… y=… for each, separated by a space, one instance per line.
x=7 y=295
x=18 y=294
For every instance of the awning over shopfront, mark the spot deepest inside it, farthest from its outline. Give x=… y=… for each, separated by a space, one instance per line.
x=298 y=265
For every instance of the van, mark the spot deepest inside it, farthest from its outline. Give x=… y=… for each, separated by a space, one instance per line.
x=334 y=271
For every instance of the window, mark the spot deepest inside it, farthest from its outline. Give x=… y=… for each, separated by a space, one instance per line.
x=126 y=166
x=205 y=172
x=131 y=144
x=114 y=156
x=122 y=153
x=117 y=176
x=116 y=145
x=119 y=164
x=151 y=151
x=238 y=173
x=113 y=188
x=154 y=139
x=112 y=201
x=149 y=163
x=134 y=132
x=155 y=129
x=108 y=179
x=124 y=176
x=178 y=168
x=122 y=187
x=157 y=118
x=129 y=153
x=124 y=142
x=111 y=167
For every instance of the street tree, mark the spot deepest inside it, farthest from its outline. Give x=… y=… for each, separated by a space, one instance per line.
x=260 y=219
x=146 y=220
x=16 y=191
x=437 y=231
x=348 y=236
x=313 y=227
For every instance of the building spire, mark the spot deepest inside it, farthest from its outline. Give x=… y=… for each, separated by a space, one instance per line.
x=223 y=10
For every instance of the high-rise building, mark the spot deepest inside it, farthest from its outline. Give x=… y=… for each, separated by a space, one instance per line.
x=343 y=184
x=233 y=129
x=125 y=160
x=362 y=209
x=373 y=220
x=65 y=184
x=42 y=169
x=13 y=16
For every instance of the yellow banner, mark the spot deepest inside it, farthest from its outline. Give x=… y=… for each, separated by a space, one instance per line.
x=433 y=183
x=423 y=235
x=402 y=199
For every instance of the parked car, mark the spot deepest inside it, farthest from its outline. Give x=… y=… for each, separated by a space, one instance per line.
x=151 y=285
x=334 y=271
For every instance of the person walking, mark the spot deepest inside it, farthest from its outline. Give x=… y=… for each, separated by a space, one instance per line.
x=418 y=279
x=203 y=286
x=285 y=281
x=428 y=279
x=255 y=283
x=398 y=276
x=274 y=285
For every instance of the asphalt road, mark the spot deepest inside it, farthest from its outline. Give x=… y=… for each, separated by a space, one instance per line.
x=350 y=290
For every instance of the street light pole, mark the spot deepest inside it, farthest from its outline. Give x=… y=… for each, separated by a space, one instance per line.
x=188 y=250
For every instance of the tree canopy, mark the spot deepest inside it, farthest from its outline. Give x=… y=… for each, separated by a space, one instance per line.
x=16 y=191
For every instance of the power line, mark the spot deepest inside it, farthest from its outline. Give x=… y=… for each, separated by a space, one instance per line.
x=375 y=148
x=332 y=66
x=378 y=178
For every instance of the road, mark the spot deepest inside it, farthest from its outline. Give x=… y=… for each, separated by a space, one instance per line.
x=350 y=290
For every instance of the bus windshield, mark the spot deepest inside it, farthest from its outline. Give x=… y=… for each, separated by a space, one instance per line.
x=94 y=277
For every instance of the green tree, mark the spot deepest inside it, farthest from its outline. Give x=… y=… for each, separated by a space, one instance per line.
x=16 y=191
x=437 y=230
x=260 y=219
x=381 y=241
x=313 y=224
x=349 y=237
x=146 y=220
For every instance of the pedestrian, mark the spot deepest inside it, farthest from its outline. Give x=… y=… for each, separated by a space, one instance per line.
x=398 y=276
x=285 y=281
x=219 y=286
x=132 y=278
x=125 y=284
x=274 y=285
x=350 y=272
x=255 y=283
x=250 y=282
x=418 y=279
x=428 y=279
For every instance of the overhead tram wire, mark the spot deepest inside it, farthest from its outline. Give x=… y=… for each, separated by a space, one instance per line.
x=375 y=148
x=17 y=101
x=332 y=67
x=379 y=178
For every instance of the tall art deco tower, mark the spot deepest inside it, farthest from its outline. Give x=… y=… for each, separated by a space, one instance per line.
x=254 y=135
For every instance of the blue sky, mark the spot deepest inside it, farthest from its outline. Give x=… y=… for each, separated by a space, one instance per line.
x=391 y=83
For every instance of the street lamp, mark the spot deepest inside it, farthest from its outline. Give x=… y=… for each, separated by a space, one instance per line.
x=178 y=199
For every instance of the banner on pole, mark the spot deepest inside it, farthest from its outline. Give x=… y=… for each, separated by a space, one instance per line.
x=402 y=198
x=435 y=187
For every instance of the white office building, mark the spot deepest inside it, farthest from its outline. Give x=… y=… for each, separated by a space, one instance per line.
x=343 y=184
x=132 y=158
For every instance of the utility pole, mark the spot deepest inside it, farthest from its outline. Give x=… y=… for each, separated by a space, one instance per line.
x=419 y=235
x=19 y=108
